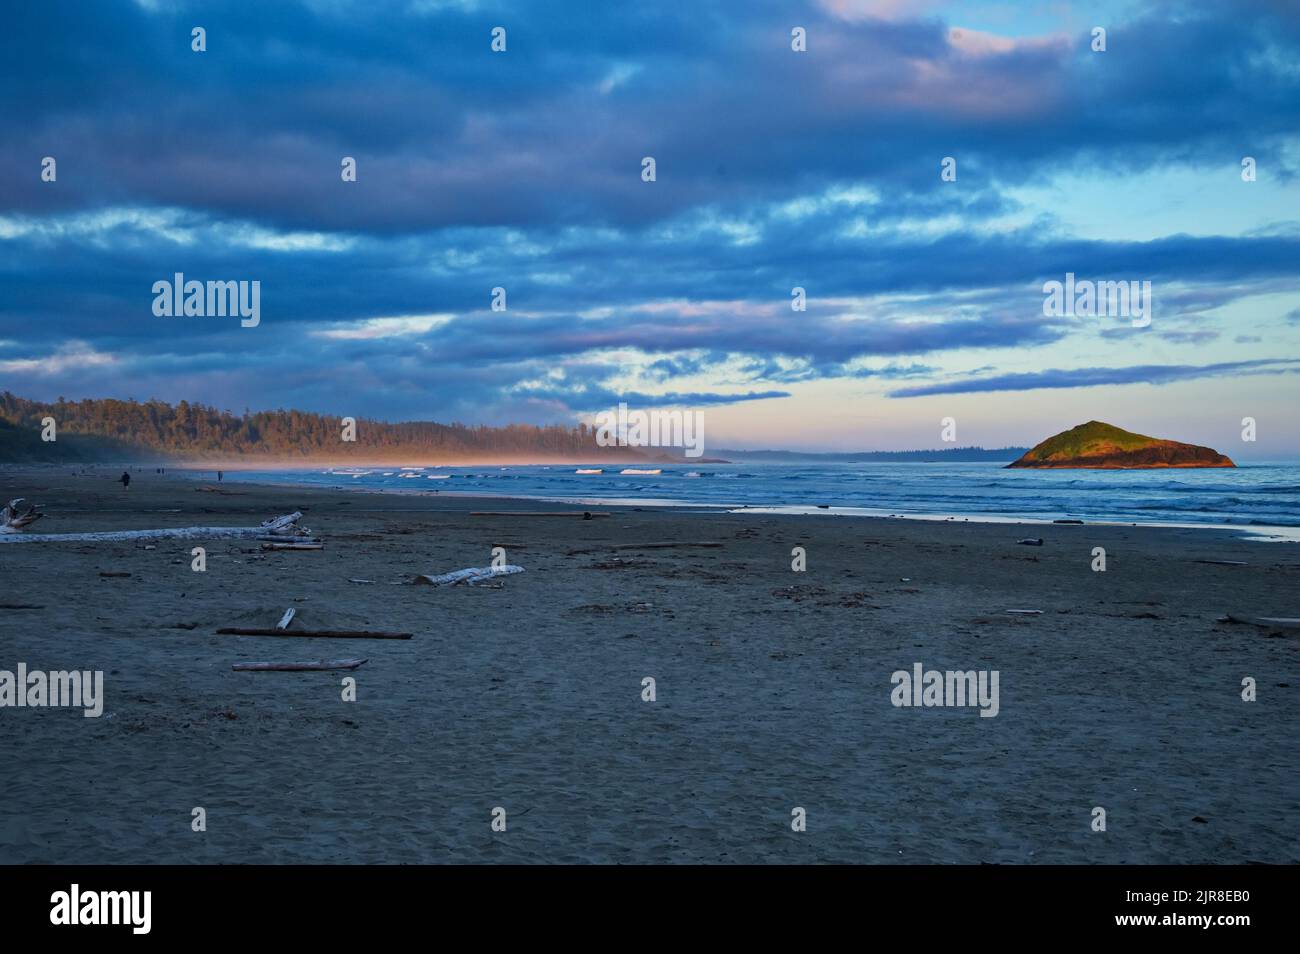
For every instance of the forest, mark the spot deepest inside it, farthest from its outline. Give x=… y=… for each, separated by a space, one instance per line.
x=105 y=427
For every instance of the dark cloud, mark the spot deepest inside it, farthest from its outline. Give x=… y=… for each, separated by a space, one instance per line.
x=448 y=134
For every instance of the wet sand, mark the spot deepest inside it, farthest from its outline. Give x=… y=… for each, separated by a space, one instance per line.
x=772 y=688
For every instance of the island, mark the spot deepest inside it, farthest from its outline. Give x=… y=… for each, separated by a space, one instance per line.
x=1105 y=446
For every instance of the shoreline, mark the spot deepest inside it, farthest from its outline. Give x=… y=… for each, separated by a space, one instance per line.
x=1255 y=533
x=1259 y=533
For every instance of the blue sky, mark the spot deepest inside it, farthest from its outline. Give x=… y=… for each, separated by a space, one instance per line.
x=522 y=169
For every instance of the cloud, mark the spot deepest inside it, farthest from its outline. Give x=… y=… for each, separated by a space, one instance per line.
x=75 y=355
x=521 y=170
x=1097 y=377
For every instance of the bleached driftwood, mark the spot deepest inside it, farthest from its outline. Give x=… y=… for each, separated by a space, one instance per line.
x=287 y=618
x=298 y=666
x=11 y=520
x=471 y=576
x=284 y=527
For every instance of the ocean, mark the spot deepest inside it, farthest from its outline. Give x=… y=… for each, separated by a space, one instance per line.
x=1251 y=495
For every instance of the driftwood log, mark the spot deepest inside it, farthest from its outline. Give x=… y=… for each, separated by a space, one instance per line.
x=584 y=514
x=281 y=528
x=299 y=666
x=11 y=520
x=309 y=633
x=1269 y=622
x=472 y=576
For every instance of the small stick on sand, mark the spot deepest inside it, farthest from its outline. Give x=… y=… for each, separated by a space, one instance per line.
x=299 y=666
x=1021 y=612
x=310 y=633
x=286 y=619
x=1223 y=562
x=703 y=544
x=293 y=546
x=21 y=606
x=584 y=514
x=113 y=573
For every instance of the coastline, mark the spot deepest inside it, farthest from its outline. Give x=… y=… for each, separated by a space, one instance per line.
x=1257 y=532
x=773 y=687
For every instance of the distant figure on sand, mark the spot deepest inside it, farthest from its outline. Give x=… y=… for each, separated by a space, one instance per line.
x=125 y=479
x=218 y=476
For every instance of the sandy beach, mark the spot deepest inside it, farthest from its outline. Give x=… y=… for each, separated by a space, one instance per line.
x=773 y=687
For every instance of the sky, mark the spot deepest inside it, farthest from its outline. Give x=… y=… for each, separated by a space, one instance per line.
x=774 y=169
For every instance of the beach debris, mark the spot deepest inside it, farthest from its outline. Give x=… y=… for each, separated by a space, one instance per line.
x=470 y=576
x=360 y=581
x=113 y=573
x=311 y=633
x=279 y=528
x=21 y=606
x=293 y=546
x=1270 y=622
x=1025 y=612
x=1031 y=542
x=12 y=521
x=320 y=665
x=1078 y=522
x=1224 y=562
x=584 y=514
x=287 y=618
x=800 y=591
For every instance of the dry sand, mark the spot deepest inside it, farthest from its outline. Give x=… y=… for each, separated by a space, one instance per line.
x=773 y=688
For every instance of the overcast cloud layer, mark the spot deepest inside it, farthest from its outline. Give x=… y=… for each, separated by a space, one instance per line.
x=522 y=169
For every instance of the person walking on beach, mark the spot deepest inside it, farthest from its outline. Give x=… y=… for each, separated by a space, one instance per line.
x=218 y=476
x=125 y=480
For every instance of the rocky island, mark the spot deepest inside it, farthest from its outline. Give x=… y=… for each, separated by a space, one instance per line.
x=1101 y=445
